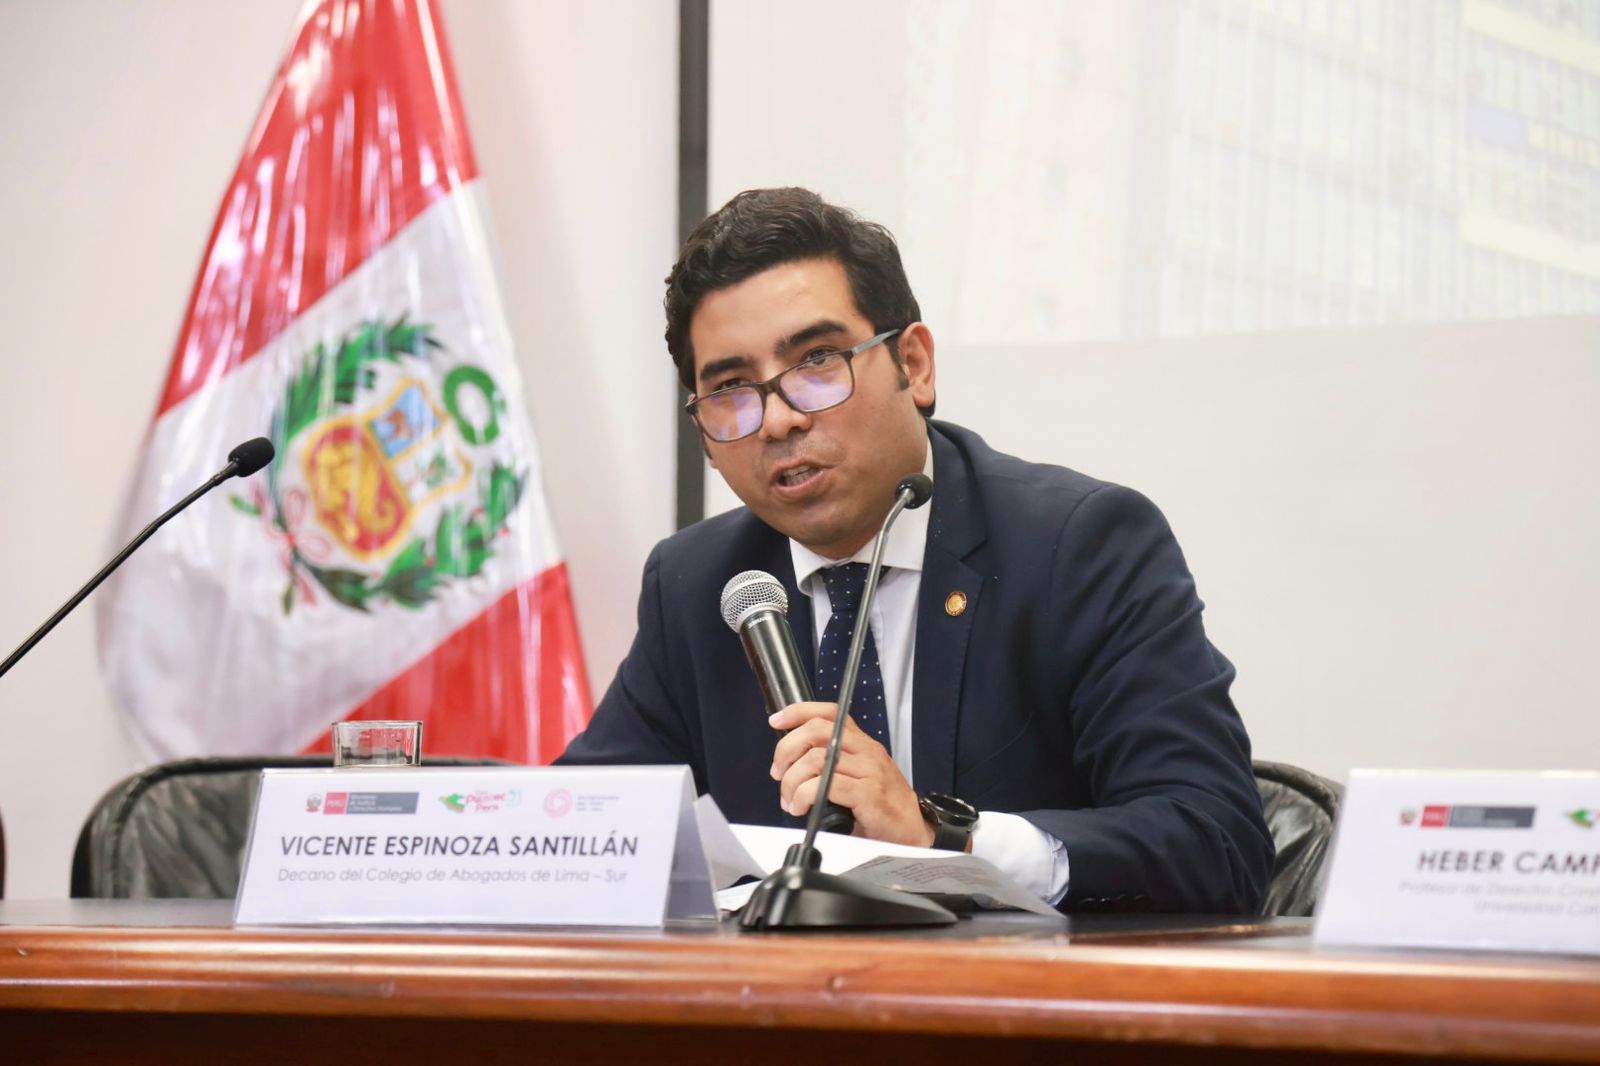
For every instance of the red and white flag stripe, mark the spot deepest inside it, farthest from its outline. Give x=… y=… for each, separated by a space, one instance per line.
x=398 y=559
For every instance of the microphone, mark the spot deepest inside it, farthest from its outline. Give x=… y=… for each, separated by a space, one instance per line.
x=243 y=461
x=755 y=605
x=248 y=457
x=916 y=488
x=800 y=895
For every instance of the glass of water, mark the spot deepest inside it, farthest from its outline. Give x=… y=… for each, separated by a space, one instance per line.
x=387 y=744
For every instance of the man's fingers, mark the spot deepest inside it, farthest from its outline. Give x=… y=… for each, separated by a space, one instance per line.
x=797 y=714
x=806 y=768
x=847 y=790
x=812 y=735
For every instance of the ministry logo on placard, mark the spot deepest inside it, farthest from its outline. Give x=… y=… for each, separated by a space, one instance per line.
x=368 y=803
x=388 y=485
x=1469 y=816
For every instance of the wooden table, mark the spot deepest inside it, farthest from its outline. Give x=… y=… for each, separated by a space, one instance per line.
x=152 y=981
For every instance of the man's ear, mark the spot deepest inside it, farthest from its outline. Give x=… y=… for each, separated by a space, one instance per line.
x=916 y=362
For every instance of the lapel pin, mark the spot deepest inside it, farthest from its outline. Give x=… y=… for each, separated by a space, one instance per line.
x=955 y=603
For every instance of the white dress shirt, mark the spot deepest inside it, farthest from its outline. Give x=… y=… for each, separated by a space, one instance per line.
x=1035 y=859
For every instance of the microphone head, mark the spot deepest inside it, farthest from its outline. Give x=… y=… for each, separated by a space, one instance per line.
x=751 y=591
x=251 y=456
x=919 y=485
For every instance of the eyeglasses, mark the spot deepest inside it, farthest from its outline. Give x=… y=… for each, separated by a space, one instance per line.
x=825 y=380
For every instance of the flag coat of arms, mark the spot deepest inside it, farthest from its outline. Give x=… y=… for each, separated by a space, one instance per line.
x=397 y=558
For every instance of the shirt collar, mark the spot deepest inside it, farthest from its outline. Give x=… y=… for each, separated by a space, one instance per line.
x=907 y=542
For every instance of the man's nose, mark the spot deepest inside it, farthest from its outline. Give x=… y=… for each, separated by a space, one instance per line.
x=779 y=418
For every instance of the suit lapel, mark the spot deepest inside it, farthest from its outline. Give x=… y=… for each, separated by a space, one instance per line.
x=946 y=607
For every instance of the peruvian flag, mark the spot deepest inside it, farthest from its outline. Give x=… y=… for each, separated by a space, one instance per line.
x=397 y=559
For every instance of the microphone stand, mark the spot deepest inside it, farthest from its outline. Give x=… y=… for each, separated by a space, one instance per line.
x=799 y=895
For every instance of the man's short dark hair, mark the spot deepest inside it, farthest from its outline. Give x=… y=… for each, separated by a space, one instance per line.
x=763 y=228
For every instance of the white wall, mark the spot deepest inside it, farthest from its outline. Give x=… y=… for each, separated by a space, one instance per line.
x=123 y=123
x=1393 y=529
x=1386 y=492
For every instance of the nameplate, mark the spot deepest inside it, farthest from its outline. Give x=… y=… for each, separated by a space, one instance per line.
x=615 y=846
x=1507 y=862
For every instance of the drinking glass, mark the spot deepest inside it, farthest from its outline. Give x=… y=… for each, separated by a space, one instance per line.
x=377 y=744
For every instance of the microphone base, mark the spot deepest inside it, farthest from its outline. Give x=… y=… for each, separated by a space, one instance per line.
x=799 y=897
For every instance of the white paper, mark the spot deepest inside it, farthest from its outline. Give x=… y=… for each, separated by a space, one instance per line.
x=727 y=857
x=925 y=870
x=768 y=844
x=950 y=874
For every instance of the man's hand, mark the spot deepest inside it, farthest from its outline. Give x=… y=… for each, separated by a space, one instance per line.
x=866 y=780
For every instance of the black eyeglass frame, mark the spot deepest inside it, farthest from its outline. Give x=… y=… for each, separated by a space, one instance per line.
x=771 y=387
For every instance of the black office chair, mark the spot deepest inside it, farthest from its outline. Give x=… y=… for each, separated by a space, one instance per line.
x=1300 y=808
x=178 y=830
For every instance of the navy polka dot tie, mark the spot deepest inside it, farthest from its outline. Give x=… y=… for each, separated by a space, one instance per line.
x=845 y=584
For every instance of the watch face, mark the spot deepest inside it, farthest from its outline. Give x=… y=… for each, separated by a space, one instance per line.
x=951 y=810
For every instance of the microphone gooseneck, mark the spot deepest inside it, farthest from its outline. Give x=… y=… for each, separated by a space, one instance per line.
x=913 y=491
x=800 y=895
x=243 y=461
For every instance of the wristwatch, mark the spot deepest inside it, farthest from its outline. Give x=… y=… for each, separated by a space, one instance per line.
x=953 y=820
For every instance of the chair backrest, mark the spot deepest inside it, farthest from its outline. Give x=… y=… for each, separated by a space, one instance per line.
x=178 y=830
x=1300 y=808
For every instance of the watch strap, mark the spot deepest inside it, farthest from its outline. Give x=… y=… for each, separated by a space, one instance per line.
x=950 y=837
x=950 y=831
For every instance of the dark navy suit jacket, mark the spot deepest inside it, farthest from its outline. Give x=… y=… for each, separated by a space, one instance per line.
x=1077 y=689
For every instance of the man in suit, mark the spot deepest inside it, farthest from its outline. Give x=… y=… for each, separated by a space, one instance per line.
x=1038 y=688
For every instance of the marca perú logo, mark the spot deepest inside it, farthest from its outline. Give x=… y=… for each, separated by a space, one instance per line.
x=481 y=801
x=384 y=486
x=557 y=802
x=1583 y=816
